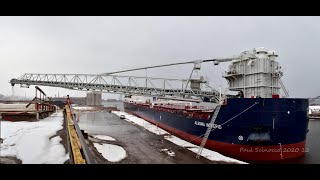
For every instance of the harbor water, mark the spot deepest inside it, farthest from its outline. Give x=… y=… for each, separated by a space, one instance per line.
x=312 y=146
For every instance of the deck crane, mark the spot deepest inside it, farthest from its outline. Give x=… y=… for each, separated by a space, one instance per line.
x=166 y=88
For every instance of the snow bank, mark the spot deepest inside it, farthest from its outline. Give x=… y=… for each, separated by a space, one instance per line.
x=112 y=153
x=103 y=137
x=168 y=151
x=84 y=108
x=313 y=109
x=141 y=122
x=209 y=154
x=29 y=141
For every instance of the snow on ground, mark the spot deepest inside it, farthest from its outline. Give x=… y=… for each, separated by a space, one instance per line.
x=141 y=122
x=112 y=153
x=168 y=151
x=103 y=137
x=314 y=109
x=209 y=154
x=29 y=141
x=84 y=108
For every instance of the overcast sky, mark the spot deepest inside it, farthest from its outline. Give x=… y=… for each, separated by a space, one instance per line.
x=104 y=44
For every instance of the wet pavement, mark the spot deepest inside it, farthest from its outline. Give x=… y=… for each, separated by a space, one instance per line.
x=141 y=146
x=10 y=160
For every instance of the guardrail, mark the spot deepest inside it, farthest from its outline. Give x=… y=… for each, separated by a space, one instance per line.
x=78 y=149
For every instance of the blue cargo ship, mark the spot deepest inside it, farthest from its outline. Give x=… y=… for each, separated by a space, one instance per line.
x=255 y=125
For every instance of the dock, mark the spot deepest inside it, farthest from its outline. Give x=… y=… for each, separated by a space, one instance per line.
x=38 y=108
x=78 y=150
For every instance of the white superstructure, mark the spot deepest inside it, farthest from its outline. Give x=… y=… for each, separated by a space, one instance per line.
x=255 y=74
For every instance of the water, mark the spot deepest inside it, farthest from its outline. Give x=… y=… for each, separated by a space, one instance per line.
x=118 y=105
x=312 y=144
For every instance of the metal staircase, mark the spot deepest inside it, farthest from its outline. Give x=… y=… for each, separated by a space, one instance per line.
x=206 y=135
x=283 y=88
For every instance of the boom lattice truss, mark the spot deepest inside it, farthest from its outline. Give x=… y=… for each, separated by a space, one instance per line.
x=131 y=85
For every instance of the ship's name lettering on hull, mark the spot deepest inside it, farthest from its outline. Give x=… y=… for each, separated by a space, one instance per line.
x=199 y=123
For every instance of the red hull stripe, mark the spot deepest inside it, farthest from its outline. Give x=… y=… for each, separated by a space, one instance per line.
x=241 y=152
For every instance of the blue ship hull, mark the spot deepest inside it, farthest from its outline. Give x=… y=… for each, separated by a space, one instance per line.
x=249 y=129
